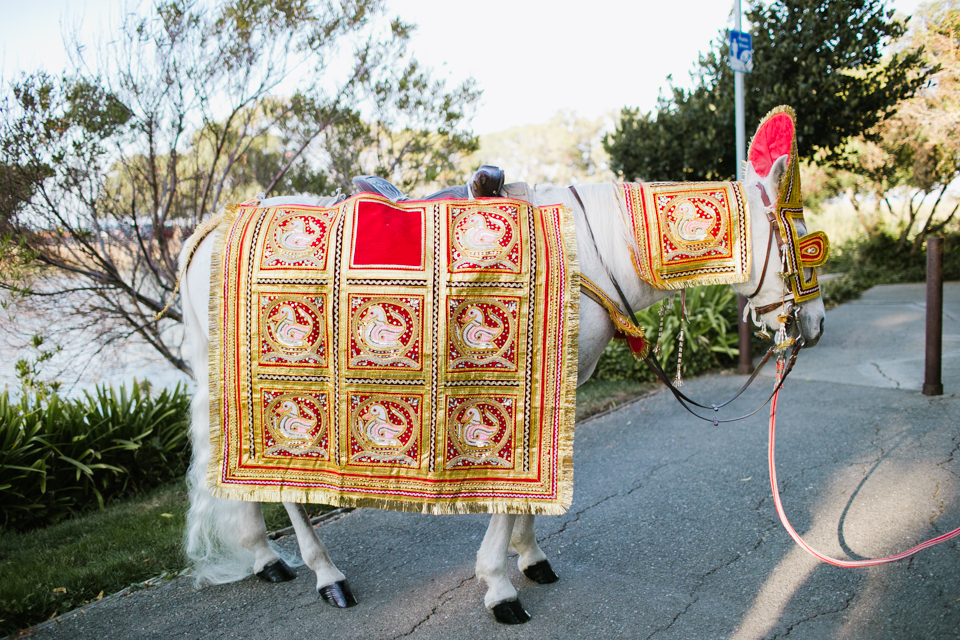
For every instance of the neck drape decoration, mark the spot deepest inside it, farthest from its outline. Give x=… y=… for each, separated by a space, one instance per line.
x=689 y=233
x=416 y=356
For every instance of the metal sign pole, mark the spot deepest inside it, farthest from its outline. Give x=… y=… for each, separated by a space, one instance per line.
x=746 y=359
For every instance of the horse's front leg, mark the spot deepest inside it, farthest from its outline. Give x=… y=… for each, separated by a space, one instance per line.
x=331 y=583
x=501 y=597
x=533 y=561
x=252 y=535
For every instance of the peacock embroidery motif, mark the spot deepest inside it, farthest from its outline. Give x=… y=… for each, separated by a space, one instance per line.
x=475 y=333
x=378 y=333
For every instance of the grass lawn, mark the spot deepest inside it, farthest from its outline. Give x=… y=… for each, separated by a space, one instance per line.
x=50 y=571
x=596 y=396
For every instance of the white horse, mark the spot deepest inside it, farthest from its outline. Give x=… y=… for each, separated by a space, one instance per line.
x=226 y=539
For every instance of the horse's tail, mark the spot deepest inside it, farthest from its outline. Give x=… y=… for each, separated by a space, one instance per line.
x=212 y=541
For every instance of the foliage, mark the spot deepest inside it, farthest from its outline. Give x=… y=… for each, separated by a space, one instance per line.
x=876 y=259
x=59 y=457
x=184 y=108
x=566 y=150
x=825 y=58
x=907 y=162
x=50 y=571
x=710 y=337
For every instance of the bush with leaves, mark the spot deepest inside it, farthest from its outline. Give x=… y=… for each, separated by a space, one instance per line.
x=59 y=457
x=183 y=108
x=710 y=337
x=878 y=259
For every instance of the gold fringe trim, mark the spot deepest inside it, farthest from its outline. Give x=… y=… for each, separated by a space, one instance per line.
x=496 y=505
x=215 y=356
x=568 y=408
x=699 y=281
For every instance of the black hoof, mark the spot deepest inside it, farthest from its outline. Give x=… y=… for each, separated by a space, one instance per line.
x=510 y=612
x=276 y=572
x=541 y=572
x=338 y=595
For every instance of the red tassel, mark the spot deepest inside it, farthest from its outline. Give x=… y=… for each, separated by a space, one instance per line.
x=637 y=345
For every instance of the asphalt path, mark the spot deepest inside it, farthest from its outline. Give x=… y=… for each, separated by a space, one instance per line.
x=672 y=532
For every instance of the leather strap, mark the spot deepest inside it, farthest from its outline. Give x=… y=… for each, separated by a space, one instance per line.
x=683 y=400
x=766 y=259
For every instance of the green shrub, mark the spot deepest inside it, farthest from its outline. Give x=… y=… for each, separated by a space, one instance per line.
x=710 y=337
x=60 y=457
x=872 y=260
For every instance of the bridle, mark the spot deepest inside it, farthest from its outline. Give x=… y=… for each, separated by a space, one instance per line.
x=774 y=233
x=791 y=316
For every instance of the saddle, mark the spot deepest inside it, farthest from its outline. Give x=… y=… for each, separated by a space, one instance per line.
x=487 y=182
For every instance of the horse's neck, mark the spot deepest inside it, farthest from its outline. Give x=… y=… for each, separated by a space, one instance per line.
x=609 y=249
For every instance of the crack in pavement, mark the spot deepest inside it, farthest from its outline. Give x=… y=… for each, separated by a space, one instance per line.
x=846 y=605
x=436 y=608
x=880 y=371
x=950 y=458
x=706 y=576
x=638 y=485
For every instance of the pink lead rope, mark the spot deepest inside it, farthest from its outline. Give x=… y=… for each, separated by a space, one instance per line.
x=870 y=562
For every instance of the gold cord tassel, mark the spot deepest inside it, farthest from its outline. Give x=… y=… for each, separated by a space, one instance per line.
x=683 y=314
x=667 y=304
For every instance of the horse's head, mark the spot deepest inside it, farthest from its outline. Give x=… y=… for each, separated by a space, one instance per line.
x=777 y=227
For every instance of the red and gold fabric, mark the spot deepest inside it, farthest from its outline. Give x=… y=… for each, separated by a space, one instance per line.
x=803 y=253
x=689 y=233
x=417 y=356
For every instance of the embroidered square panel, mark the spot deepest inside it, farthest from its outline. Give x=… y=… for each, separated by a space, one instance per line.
x=418 y=356
x=689 y=233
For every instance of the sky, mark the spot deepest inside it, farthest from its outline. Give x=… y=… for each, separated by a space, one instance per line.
x=531 y=58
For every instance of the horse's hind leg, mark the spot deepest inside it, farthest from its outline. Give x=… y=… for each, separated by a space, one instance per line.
x=533 y=561
x=331 y=583
x=501 y=597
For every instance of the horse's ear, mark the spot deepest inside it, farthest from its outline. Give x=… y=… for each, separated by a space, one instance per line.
x=777 y=169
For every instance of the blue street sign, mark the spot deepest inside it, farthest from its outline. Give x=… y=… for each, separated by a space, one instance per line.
x=741 y=51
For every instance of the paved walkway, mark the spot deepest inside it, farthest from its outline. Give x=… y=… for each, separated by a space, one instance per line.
x=672 y=534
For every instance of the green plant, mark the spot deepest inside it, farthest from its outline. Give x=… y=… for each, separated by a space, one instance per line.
x=710 y=336
x=61 y=457
x=871 y=260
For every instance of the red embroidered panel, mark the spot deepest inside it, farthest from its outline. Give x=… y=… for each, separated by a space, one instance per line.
x=387 y=236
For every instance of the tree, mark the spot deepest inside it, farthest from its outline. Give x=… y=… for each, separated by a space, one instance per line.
x=566 y=150
x=908 y=161
x=825 y=58
x=184 y=109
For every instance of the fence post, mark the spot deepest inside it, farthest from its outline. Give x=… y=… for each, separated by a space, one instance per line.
x=746 y=361
x=932 y=385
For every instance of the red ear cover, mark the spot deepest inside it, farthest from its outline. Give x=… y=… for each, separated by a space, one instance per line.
x=773 y=139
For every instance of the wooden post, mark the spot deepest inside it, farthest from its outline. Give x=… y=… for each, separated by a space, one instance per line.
x=932 y=385
x=743 y=326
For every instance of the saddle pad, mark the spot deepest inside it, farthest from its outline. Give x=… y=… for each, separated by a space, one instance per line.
x=416 y=356
x=689 y=233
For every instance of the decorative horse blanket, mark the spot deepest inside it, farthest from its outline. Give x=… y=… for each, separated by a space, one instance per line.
x=417 y=356
x=689 y=233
